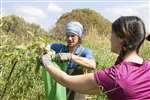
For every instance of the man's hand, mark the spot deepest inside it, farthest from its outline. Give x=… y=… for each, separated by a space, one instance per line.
x=64 y=56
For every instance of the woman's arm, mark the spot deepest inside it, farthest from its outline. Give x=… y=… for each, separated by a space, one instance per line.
x=80 y=83
x=85 y=62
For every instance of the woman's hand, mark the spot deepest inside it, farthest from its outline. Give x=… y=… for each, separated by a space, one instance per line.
x=80 y=83
x=46 y=59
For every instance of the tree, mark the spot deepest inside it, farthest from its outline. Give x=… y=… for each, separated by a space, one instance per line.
x=17 y=25
x=89 y=19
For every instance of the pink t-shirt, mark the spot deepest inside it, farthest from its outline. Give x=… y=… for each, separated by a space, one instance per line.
x=125 y=81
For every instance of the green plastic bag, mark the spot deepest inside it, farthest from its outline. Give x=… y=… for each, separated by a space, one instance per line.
x=54 y=90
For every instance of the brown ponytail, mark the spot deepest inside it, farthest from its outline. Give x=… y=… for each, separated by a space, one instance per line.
x=121 y=56
x=148 y=37
x=124 y=50
x=131 y=30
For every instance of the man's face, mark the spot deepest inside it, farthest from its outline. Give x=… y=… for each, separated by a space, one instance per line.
x=72 y=39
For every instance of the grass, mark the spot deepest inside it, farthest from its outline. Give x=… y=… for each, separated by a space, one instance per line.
x=27 y=78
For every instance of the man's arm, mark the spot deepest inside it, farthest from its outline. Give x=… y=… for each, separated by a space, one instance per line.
x=85 y=62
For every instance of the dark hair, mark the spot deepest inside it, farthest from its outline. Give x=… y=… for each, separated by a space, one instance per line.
x=148 y=37
x=80 y=41
x=131 y=30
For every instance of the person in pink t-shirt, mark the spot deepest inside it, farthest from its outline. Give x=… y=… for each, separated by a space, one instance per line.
x=127 y=79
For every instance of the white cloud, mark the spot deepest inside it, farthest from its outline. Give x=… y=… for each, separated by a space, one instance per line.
x=123 y=12
x=31 y=19
x=31 y=11
x=139 y=10
x=31 y=14
x=54 y=8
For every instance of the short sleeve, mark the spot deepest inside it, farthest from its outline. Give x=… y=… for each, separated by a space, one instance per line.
x=106 y=78
x=56 y=47
x=48 y=47
x=88 y=53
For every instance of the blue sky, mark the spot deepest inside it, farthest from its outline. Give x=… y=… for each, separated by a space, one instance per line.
x=47 y=12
